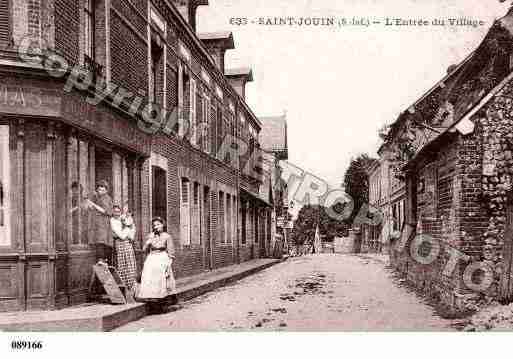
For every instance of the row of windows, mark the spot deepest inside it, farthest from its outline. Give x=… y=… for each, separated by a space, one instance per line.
x=200 y=208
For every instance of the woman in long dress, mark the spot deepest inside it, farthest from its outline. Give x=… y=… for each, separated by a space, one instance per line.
x=157 y=279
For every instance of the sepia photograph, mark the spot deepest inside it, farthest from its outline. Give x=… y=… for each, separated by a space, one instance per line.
x=251 y=166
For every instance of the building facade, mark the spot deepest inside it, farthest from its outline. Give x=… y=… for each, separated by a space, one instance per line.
x=64 y=128
x=274 y=144
x=452 y=150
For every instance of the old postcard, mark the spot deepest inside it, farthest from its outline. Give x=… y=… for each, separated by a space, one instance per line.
x=255 y=166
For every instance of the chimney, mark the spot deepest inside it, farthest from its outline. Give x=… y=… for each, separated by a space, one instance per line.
x=238 y=79
x=188 y=10
x=217 y=43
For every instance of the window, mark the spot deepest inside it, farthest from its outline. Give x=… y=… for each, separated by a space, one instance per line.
x=221 y=224
x=4 y=23
x=185 y=214
x=5 y=238
x=156 y=80
x=89 y=29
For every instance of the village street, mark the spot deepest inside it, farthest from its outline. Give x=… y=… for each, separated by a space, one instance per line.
x=309 y=293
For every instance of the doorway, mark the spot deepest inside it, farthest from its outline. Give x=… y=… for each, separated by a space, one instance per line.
x=159 y=192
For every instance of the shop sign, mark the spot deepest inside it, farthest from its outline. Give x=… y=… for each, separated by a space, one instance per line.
x=27 y=100
x=106 y=123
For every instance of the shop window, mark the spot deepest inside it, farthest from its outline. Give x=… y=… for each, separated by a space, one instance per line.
x=5 y=239
x=79 y=174
x=185 y=214
x=159 y=192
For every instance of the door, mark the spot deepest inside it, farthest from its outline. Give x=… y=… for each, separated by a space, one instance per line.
x=206 y=229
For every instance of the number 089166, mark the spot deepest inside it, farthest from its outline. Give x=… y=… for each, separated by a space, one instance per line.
x=26 y=345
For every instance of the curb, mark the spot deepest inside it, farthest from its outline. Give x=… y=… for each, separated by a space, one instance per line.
x=116 y=316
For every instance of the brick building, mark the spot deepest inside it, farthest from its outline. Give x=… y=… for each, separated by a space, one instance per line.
x=452 y=149
x=59 y=137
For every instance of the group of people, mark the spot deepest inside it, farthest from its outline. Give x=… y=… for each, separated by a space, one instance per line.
x=115 y=233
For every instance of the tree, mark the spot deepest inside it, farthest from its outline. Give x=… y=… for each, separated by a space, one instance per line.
x=307 y=220
x=356 y=182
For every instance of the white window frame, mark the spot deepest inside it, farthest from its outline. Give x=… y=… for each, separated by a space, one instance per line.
x=5 y=233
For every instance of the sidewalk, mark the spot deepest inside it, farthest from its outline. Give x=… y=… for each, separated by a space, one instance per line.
x=105 y=317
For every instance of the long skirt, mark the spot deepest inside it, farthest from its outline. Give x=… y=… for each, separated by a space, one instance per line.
x=157 y=279
x=126 y=264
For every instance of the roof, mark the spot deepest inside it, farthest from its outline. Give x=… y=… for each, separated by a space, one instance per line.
x=273 y=135
x=449 y=89
x=215 y=35
x=464 y=124
x=222 y=39
x=240 y=72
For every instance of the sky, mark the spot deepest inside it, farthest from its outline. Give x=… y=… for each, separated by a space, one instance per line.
x=340 y=85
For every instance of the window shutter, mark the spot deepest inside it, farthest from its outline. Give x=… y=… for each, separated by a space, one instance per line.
x=213 y=128
x=196 y=215
x=4 y=23
x=228 y=218
x=213 y=216
x=199 y=120
x=185 y=214
x=220 y=132
x=207 y=124
x=192 y=117
x=221 y=226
